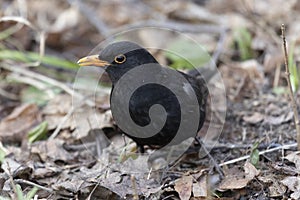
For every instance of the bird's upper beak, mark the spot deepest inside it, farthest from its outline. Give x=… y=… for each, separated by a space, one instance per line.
x=92 y=61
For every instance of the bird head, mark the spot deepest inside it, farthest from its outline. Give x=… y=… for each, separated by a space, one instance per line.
x=118 y=58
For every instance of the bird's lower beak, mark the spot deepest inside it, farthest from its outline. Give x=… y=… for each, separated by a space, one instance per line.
x=92 y=61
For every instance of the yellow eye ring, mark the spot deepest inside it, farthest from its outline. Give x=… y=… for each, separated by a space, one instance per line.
x=120 y=59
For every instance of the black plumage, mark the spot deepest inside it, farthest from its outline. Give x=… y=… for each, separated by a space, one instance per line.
x=121 y=57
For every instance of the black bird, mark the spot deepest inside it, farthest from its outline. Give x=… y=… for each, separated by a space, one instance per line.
x=118 y=59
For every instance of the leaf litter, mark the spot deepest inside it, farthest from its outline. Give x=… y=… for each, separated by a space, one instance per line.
x=76 y=163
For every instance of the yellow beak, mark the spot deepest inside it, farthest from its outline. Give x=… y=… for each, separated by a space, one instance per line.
x=92 y=61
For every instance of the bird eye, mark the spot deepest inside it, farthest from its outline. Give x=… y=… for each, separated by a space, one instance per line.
x=120 y=59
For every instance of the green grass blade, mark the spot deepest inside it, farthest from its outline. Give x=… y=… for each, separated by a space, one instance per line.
x=34 y=57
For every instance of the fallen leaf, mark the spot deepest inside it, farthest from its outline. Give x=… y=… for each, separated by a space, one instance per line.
x=238 y=179
x=275 y=120
x=183 y=186
x=53 y=150
x=15 y=168
x=200 y=188
x=293 y=183
x=276 y=189
x=254 y=118
x=60 y=104
x=14 y=127
x=253 y=69
x=87 y=118
x=250 y=171
x=231 y=183
x=39 y=173
x=294 y=157
x=73 y=185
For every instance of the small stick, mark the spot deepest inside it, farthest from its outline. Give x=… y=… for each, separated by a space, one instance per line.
x=288 y=78
x=48 y=80
x=217 y=166
x=34 y=185
x=135 y=194
x=11 y=179
x=287 y=146
x=40 y=33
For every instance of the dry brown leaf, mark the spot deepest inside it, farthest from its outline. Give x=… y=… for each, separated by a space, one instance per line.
x=200 y=189
x=52 y=150
x=254 y=69
x=55 y=111
x=73 y=185
x=250 y=171
x=276 y=190
x=237 y=179
x=83 y=118
x=183 y=186
x=60 y=104
x=238 y=82
x=88 y=118
x=39 y=173
x=275 y=120
x=14 y=127
x=231 y=183
x=293 y=183
x=254 y=118
x=294 y=157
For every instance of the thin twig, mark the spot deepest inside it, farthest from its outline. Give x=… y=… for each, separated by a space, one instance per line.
x=48 y=80
x=219 y=170
x=8 y=95
x=276 y=76
x=260 y=153
x=133 y=182
x=63 y=121
x=288 y=78
x=33 y=82
x=33 y=184
x=40 y=33
x=11 y=179
x=65 y=118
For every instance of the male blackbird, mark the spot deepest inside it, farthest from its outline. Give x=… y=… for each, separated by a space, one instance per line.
x=118 y=59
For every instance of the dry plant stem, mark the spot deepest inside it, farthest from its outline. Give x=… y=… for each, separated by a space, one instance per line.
x=93 y=190
x=33 y=184
x=11 y=180
x=60 y=125
x=288 y=78
x=66 y=117
x=41 y=34
x=219 y=170
x=31 y=81
x=276 y=76
x=133 y=181
x=260 y=153
x=48 y=80
x=8 y=95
